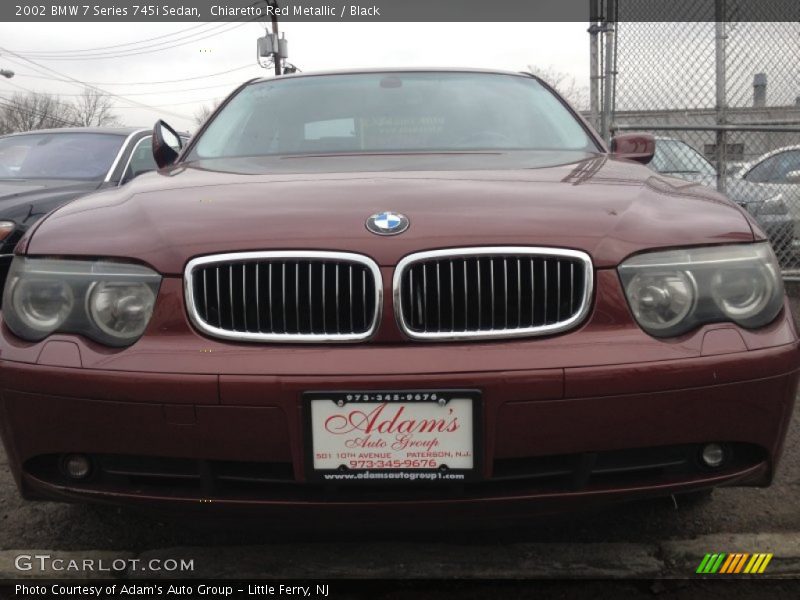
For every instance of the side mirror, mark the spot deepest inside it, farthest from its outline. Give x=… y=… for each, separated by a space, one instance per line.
x=793 y=177
x=166 y=144
x=634 y=146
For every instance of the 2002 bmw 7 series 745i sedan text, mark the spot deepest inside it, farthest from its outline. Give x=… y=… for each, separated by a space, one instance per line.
x=415 y=290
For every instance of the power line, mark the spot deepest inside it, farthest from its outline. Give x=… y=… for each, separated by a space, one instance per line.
x=158 y=37
x=147 y=49
x=165 y=92
x=37 y=113
x=63 y=77
x=6 y=102
x=24 y=89
x=50 y=78
x=142 y=50
x=117 y=106
x=139 y=51
x=175 y=103
x=73 y=81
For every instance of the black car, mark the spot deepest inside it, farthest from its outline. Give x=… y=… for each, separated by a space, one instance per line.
x=41 y=170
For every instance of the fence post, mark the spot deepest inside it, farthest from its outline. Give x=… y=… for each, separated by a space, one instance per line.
x=610 y=66
x=721 y=101
x=594 y=64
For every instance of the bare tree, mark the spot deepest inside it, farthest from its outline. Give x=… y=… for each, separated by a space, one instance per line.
x=204 y=112
x=565 y=84
x=34 y=110
x=93 y=109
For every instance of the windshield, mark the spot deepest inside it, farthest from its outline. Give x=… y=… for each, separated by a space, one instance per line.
x=391 y=112
x=58 y=155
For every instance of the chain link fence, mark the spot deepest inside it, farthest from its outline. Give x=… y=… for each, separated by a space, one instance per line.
x=722 y=99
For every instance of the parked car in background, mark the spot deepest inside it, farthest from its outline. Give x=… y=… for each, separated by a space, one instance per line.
x=405 y=294
x=766 y=203
x=734 y=168
x=777 y=175
x=41 y=170
x=779 y=167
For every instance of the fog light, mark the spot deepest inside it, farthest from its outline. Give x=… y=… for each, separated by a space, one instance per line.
x=76 y=466
x=713 y=455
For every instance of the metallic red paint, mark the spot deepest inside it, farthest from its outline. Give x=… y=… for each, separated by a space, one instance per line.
x=607 y=207
x=634 y=146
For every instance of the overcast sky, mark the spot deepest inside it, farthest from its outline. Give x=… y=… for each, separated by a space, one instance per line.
x=226 y=46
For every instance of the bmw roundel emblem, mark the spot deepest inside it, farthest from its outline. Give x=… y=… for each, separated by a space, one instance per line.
x=387 y=223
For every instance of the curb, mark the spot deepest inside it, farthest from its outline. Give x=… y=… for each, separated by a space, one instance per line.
x=685 y=556
x=668 y=559
x=430 y=561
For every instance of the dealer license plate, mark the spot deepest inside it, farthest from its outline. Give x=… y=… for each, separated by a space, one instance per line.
x=392 y=435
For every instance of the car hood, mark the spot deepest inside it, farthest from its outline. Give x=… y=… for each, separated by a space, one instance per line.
x=606 y=207
x=28 y=188
x=21 y=197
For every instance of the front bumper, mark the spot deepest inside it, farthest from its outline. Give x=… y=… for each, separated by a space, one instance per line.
x=601 y=414
x=526 y=417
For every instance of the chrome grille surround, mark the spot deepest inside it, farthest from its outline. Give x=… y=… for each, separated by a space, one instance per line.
x=372 y=293
x=437 y=257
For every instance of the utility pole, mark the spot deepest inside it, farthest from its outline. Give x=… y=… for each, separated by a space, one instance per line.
x=271 y=46
x=274 y=17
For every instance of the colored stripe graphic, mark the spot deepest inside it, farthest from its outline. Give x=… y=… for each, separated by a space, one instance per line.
x=753 y=564
x=741 y=563
x=765 y=563
x=710 y=563
x=703 y=563
x=718 y=563
x=734 y=563
x=728 y=563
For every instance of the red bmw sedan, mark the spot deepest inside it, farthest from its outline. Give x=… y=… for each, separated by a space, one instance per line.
x=405 y=290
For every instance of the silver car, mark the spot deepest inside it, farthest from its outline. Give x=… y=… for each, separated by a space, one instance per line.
x=766 y=201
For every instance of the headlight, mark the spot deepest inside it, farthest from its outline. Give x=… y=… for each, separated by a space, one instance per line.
x=674 y=291
x=106 y=301
x=661 y=300
x=42 y=305
x=121 y=310
x=744 y=295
